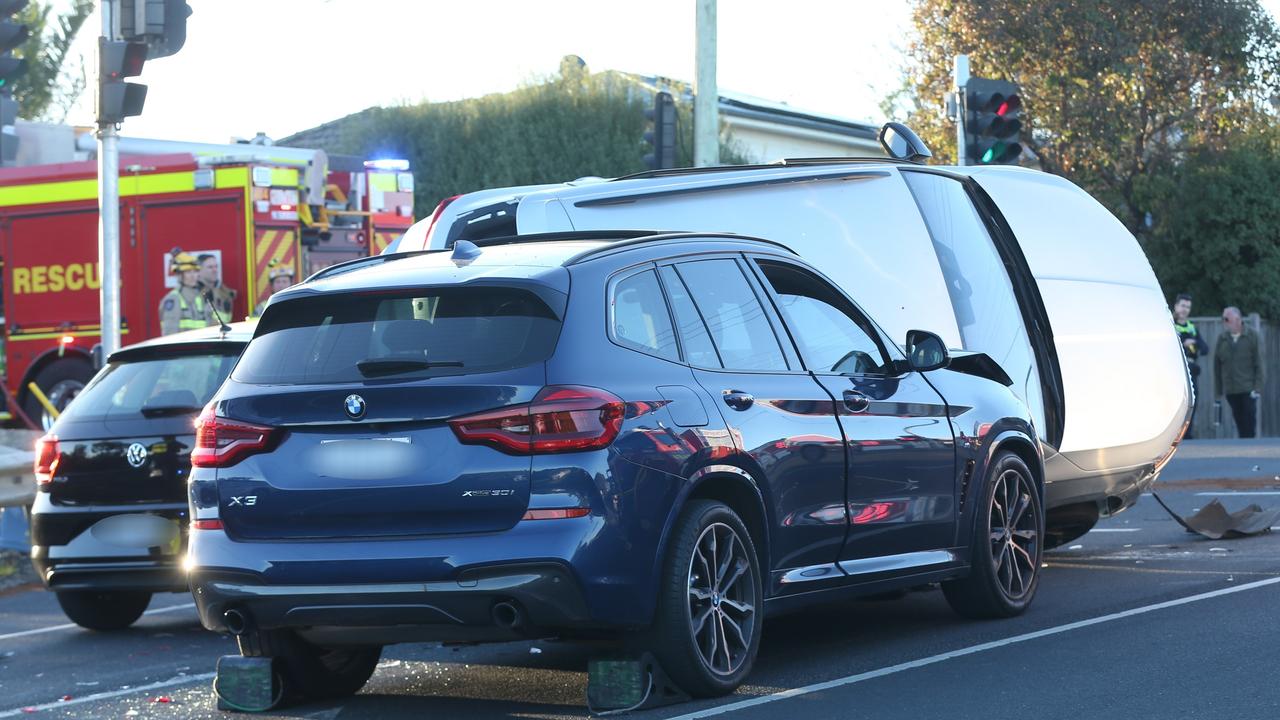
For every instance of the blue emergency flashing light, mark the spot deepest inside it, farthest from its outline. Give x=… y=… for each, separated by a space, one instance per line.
x=387 y=164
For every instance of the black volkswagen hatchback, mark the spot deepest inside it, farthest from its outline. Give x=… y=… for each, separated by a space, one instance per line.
x=664 y=437
x=108 y=526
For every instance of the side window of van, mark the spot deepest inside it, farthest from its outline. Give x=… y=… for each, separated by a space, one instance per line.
x=741 y=332
x=638 y=316
x=831 y=334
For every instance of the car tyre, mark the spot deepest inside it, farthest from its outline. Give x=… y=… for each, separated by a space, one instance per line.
x=710 y=602
x=1006 y=545
x=101 y=610
x=61 y=381
x=311 y=672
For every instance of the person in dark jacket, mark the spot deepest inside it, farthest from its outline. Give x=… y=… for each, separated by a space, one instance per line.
x=1237 y=370
x=1193 y=346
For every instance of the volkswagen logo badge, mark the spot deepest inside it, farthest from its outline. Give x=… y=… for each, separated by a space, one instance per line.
x=136 y=455
x=355 y=407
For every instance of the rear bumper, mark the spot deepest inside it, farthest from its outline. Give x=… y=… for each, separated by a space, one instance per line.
x=546 y=597
x=69 y=555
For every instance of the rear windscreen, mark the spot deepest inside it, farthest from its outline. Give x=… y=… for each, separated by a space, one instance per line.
x=424 y=333
x=167 y=385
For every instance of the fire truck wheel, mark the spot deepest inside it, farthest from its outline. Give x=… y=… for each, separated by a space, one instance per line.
x=60 y=381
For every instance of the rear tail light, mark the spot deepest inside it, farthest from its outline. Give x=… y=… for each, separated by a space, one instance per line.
x=48 y=456
x=561 y=418
x=221 y=442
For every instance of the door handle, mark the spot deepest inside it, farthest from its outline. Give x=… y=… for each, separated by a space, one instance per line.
x=738 y=400
x=856 y=401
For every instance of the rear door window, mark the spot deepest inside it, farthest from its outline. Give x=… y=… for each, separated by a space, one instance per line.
x=737 y=323
x=344 y=338
x=698 y=349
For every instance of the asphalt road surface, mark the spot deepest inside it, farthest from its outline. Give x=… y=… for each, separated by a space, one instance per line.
x=1138 y=619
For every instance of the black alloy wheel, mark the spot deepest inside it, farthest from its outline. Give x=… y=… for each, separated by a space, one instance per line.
x=707 y=628
x=1006 y=546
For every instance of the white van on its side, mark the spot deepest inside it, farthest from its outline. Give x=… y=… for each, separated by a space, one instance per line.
x=1018 y=264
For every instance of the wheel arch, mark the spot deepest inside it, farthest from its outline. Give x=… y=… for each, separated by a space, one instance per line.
x=1024 y=447
x=736 y=488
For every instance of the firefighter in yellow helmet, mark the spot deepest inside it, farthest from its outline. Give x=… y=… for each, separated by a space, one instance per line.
x=183 y=308
x=281 y=277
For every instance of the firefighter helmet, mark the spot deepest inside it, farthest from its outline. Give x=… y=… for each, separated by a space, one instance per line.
x=180 y=261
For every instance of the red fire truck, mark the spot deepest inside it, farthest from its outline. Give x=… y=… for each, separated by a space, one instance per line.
x=249 y=206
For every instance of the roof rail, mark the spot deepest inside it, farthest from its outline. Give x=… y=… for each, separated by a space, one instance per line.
x=673 y=172
x=623 y=244
x=565 y=235
x=358 y=263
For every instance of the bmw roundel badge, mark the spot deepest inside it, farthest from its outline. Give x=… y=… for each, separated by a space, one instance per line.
x=355 y=407
x=136 y=455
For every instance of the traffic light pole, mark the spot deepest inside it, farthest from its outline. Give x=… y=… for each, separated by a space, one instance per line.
x=108 y=212
x=961 y=74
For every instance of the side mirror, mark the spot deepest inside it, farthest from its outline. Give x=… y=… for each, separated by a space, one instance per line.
x=926 y=351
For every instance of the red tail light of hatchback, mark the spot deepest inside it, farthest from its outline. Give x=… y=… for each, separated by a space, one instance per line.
x=47 y=456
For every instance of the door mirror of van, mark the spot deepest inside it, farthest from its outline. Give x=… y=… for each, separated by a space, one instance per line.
x=901 y=143
x=926 y=351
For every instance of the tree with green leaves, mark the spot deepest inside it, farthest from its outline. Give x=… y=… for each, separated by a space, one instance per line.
x=55 y=77
x=573 y=124
x=1217 y=224
x=1114 y=91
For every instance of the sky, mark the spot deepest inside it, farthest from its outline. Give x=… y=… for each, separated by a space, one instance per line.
x=281 y=66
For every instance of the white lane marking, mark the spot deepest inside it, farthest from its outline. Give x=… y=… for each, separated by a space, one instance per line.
x=171 y=682
x=68 y=626
x=1238 y=492
x=971 y=650
x=1115 y=530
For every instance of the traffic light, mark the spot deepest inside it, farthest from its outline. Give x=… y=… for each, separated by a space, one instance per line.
x=993 y=124
x=118 y=99
x=661 y=137
x=12 y=35
x=161 y=24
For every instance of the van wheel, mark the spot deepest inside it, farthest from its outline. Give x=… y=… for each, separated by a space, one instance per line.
x=103 y=610
x=710 y=602
x=312 y=672
x=1005 y=548
x=61 y=382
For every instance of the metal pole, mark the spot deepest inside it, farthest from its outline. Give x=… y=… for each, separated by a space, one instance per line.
x=706 y=97
x=108 y=213
x=961 y=74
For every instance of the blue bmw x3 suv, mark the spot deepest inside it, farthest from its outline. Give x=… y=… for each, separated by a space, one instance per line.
x=663 y=438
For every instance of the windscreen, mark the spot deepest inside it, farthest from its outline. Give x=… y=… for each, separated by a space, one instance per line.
x=154 y=387
x=423 y=333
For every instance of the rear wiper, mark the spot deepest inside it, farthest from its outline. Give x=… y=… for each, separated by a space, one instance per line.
x=391 y=366
x=164 y=410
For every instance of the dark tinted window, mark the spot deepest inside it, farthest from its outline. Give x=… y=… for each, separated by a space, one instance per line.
x=638 y=316
x=737 y=322
x=831 y=334
x=170 y=385
x=698 y=349
x=429 y=332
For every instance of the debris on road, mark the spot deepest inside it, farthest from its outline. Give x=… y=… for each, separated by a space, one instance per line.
x=1214 y=522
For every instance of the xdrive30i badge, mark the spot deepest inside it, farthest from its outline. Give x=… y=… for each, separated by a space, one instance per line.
x=354 y=405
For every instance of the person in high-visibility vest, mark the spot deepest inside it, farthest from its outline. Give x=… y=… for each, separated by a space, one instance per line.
x=281 y=277
x=183 y=308
x=1193 y=346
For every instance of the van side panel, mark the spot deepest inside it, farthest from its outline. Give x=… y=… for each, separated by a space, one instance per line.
x=864 y=232
x=1126 y=383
